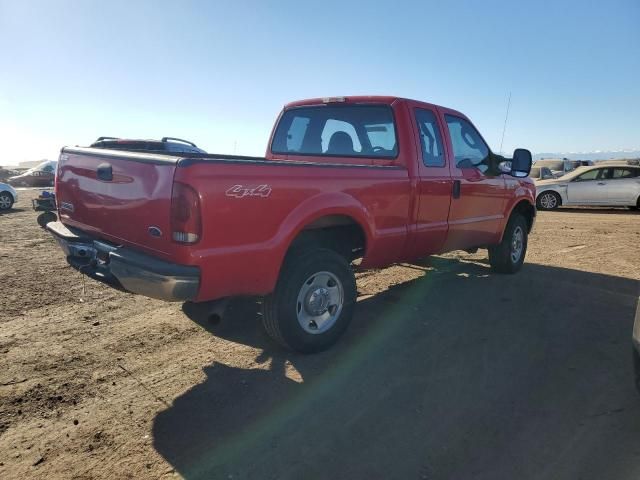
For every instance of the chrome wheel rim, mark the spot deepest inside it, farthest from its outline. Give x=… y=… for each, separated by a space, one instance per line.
x=517 y=244
x=319 y=303
x=5 y=202
x=548 y=200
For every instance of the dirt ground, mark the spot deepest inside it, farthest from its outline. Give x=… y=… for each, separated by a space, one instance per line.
x=447 y=372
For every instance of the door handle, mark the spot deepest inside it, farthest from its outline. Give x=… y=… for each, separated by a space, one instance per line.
x=105 y=172
x=456 y=189
x=602 y=183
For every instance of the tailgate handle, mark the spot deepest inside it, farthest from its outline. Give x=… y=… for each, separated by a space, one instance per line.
x=105 y=172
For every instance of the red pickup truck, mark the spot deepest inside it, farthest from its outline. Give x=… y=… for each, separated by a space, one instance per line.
x=380 y=179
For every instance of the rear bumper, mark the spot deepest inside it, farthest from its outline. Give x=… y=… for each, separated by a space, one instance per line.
x=125 y=269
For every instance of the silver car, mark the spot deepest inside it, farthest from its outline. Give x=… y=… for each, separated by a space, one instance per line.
x=597 y=185
x=8 y=196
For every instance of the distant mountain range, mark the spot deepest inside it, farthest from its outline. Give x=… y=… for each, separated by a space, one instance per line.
x=597 y=155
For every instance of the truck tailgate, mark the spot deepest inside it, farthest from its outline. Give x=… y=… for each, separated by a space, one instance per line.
x=123 y=197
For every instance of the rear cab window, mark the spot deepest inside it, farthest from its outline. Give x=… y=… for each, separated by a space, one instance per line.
x=357 y=131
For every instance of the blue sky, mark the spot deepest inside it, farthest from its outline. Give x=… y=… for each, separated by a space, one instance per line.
x=218 y=73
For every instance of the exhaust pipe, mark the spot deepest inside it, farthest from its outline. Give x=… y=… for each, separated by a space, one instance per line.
x=210 y=312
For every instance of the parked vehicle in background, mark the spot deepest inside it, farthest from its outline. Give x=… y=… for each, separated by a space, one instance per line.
x=41 y=176
x=558 y=166
x=581 y=163
x=540 y=173
x=8 y=196
x=166 y=144
x=6 y=173
x=597 y=186
x=381 y=179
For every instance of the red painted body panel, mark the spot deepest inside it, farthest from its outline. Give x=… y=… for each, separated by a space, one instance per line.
x=244 y=240
x=120 y=210
x=252 y=210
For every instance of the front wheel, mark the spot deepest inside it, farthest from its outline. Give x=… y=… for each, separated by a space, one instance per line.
x=6 y=201
x=548 y=201
x=508 y=256
x=313 y=302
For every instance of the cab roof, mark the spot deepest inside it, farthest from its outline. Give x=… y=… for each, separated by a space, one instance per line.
x=377 y=99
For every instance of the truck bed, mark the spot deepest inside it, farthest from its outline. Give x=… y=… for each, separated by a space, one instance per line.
x=252 y=208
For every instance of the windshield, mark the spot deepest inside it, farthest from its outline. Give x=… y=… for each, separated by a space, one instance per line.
x=573 y=174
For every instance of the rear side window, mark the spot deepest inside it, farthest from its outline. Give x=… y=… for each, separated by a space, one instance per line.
x=330 y=130
x=430 y=139
x=625 y=172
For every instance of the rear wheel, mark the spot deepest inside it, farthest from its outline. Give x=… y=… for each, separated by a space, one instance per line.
x=508 y=256
x=548 y=201
x=637 y=206
x=6 y=201
x=313 y=302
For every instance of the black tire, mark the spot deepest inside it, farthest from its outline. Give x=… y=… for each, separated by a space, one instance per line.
x=636 y=368
x=281 y=309
x=637 y=206
x=554 y=200
x=6 y=201
x=46 y=217
x=502 y=257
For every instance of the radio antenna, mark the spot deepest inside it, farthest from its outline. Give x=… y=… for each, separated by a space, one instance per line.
x=504 y=128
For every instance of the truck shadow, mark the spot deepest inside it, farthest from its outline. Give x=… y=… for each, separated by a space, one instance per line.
x=458 y=374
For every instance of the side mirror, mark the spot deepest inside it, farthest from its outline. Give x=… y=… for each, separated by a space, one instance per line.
x=521 y=163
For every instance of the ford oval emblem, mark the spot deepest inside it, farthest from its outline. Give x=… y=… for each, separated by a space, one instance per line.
x=155 y=231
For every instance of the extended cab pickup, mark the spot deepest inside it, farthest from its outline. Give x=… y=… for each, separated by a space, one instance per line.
x=381 y=179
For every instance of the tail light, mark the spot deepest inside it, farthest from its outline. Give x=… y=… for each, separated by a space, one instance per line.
x=185 y=214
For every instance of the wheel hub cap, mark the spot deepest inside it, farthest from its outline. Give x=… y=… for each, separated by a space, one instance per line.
x=319 y=303
x=548 y=200
x=517 y=244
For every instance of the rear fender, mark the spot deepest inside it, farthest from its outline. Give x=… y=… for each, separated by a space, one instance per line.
x=322 y=205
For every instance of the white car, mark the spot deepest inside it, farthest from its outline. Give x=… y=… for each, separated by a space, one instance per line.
x=597 y=185
x=8 y=196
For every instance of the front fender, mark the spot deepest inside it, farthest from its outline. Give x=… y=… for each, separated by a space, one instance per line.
x=522 y=193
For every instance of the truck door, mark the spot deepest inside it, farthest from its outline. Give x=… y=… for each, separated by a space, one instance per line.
x=433 y=189
x=478 y=198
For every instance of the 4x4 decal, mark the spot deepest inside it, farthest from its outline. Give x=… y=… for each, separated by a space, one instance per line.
x=241 y=191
